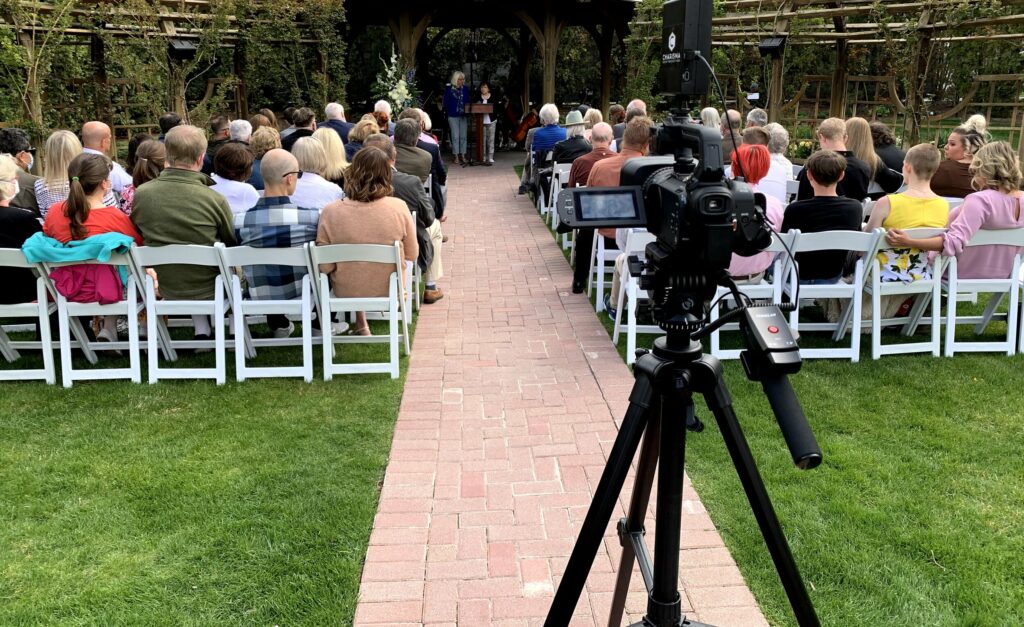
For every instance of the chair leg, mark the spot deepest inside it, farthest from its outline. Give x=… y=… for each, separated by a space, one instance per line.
x=326 y=328
x=393 y=328
x=990 y=310
x=45 y=336
x=1011 y=319
x=134 y=349
x=631 y=320
x=238 y=315
x=65 y=342
x=951 y=320
x=153 y=354
x=219 y=344
x=307 y=331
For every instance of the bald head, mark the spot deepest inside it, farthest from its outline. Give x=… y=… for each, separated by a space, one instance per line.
x=96 y=135
x=732 y=119
x=601 y=135
x=274 y=166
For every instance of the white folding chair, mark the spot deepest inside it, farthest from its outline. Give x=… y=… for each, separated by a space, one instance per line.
x=797 y=169
x=600 y=270
x=40 y=310
x=192 y=255
x=630 y=295
x=68 y=310
x=428 y=184
x=765 y=290
x=559 y=179
x=541 y=192
x=792 y=189
x=954 y=202
x=240 y=256
x=999 y=288
x=863 y=244
x=393 y=304
x=416 y=277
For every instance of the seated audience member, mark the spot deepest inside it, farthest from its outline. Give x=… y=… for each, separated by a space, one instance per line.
x=825 y=211
x=382 y=114
x=362 y=130
x=756 y=136
x=635 y=109
x=305 y=123
x=272 y=117
x=334 y=119
x=778 y=145
x=240 y=131
x=274 y=221
x=367 y=215
x=996 y=172
x=97 y=139
x=732 y=135
x=550 y=132
x=710 y=118
x=606 y=172
x=335 y=152
x=54 y=187
x=590 y=118
x=437 y=167
x=149 y=163
x=168 y=121
x=133 y=149
x=258 y=120
x=411 y=160
x=286 y=121
x=220 y=134
x=774 y=182
x=409 y=188
x=860 y=143
x=427 y=126
x=16 y=142
x=575 y=144
x=854 y=183
x=601 y=139
x=313 y=190
x=616 y=119
x=85 y=214
x=16 y=225
x=757 y=118
x=917 y=207
x=885 y=146
x=232 y=168
x=756 y=162
x=179 y=207
x=264 y=139
x=953 y=179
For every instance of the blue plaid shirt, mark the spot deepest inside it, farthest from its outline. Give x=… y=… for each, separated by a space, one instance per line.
x=275 y=223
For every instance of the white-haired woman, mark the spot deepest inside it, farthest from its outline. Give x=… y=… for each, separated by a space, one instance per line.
x=456 y=97
x=550 y=133
x=710 y=118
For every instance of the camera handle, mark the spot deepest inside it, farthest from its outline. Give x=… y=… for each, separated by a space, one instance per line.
x=665 y=381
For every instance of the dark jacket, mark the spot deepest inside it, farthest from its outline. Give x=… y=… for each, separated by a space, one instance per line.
x=299 y=133
x=892 y=155
x=410 y=189
x=413 y=160
x=351 y=149
x=340 y=127
x=16 y=226
x=256 y=178
x=211 y=152
x=26 y=198
x=854 y=184
x=567 y=150
x=436 y=163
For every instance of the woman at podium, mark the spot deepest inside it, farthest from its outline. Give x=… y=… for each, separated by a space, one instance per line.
x=456 y=97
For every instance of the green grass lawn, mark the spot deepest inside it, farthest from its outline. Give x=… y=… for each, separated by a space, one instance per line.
x=916 y=516
x=189 y=503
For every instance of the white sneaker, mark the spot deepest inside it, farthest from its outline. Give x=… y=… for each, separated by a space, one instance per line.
x=337 y=328
x=286 y=332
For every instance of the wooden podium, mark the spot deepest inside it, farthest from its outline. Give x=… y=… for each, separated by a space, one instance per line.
x=478 y=111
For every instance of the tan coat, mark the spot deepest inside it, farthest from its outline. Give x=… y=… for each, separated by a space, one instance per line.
x=379 y=222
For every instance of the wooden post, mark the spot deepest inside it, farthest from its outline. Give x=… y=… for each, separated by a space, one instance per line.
x=604 y=45
x=242 y=105
x=525 y=58
x=101 y=94
x=548 y=37
x=775 y=96
x=916 y=75
x=837 y=107
x=408 y=33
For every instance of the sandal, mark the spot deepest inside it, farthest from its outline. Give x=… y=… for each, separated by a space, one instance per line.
x=363 y=330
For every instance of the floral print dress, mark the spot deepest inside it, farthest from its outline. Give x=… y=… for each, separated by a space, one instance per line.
x=906 y=212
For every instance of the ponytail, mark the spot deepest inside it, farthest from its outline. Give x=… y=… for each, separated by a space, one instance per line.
x=85 y=173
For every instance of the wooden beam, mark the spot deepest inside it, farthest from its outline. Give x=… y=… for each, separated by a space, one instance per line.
x=775 y=99
x=837 y=106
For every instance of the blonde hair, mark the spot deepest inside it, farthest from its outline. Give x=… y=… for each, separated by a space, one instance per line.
x=973 y=133
x=996 y=166
x=860 y=142
x=363 y=129
x=310 y=155
x=8 y=176
x=592 y=116
x=456 y=75
x=832 y=128
x=61 y=148
x=263 y=140
x=334 y=150
x=710 y=117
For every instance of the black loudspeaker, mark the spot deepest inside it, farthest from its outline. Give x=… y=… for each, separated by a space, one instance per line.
x=181 y=49
x=687 y=29
x=772 y=47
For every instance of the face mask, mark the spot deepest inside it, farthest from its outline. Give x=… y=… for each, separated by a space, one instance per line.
x=31 y=162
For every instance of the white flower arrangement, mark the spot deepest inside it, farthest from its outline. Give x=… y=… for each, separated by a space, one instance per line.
x=396 y=85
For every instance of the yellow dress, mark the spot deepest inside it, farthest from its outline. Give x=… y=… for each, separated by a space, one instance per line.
x=907 y=212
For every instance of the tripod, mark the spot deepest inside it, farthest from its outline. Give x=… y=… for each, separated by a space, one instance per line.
x=660 y=406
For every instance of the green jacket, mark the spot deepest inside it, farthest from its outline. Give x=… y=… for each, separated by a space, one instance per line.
x=180 y=208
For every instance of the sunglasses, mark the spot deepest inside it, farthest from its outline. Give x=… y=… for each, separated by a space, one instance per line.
x=298 y=174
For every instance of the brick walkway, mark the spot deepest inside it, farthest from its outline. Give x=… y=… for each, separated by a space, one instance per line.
x=510 y=408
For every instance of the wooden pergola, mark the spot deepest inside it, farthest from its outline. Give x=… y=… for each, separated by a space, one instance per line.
x=525 y=24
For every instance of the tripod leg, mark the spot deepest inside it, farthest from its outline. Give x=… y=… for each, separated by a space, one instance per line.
x=720 y=404
x=603 y=504
x=634 y=521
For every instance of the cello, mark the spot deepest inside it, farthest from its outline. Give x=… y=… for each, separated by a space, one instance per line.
x=530 y=120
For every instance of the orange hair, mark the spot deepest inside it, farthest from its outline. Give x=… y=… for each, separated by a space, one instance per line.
x=753 y=161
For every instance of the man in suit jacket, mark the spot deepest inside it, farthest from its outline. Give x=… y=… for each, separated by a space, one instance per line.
x=409 y=188
x=411 y=160
x=335 y=119
x=437 y=169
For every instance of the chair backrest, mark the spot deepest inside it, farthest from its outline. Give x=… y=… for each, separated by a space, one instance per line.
x=179 y=254
x=14 y=258
x=116 y=259
x=249 y=256
x=792 y=188
x=998 y=237
x=637 y=241
x=781 y=242
x=954 y=202
x=561 y=168
x=797 y=169
x=372 y=253
x=856 y=241
x=918 y=233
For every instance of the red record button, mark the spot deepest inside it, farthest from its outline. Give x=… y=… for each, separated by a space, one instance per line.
x=773 y=329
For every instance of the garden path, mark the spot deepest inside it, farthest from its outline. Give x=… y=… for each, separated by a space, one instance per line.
x=511 y=405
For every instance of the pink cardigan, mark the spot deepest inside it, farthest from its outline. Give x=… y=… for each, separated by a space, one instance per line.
x=991 y=210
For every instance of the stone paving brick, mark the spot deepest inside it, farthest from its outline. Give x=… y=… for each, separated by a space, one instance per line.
x=512 y=401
